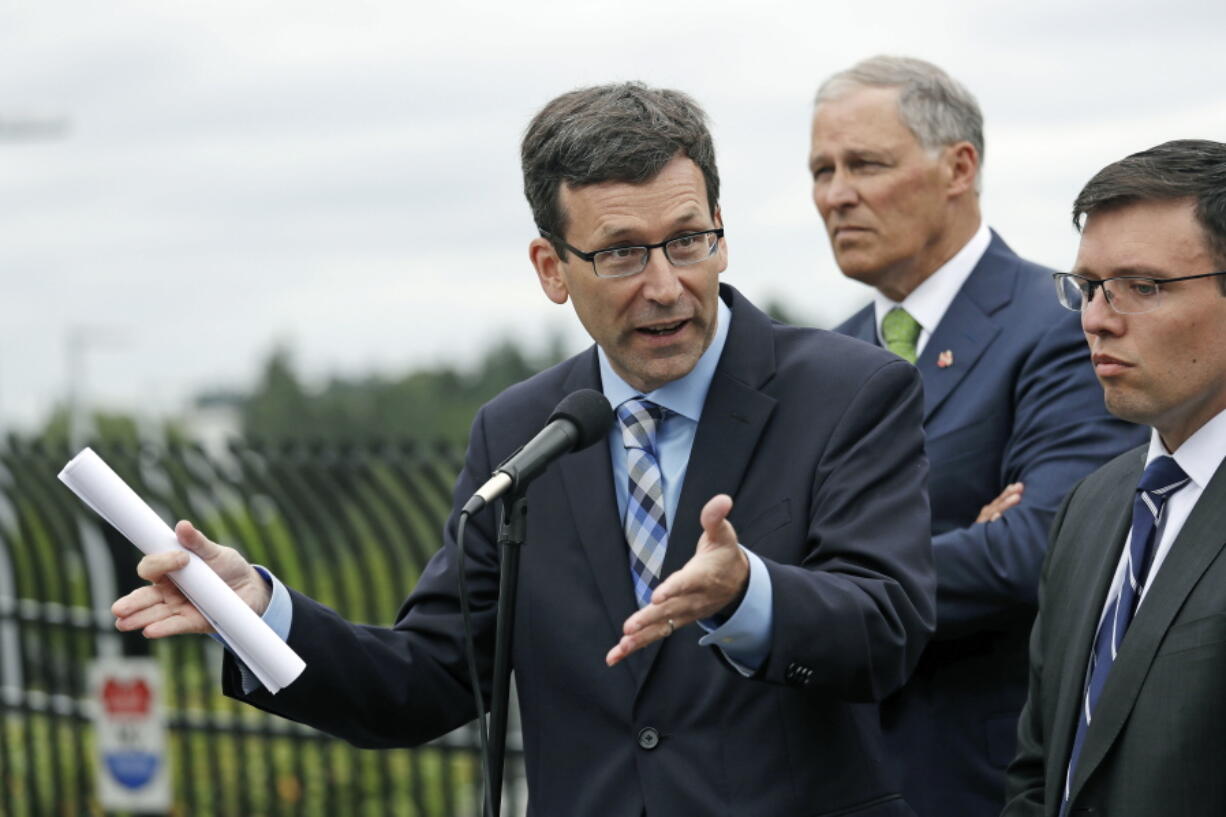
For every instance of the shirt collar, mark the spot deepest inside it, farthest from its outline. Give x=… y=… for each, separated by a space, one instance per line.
x=1200 y=455
x=930 y=300
x=684 y=395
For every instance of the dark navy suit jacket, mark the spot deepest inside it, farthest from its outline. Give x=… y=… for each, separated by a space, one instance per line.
x=1018 y=402
x=817 y=437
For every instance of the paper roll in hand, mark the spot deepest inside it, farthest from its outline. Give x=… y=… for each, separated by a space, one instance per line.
x=245 y=633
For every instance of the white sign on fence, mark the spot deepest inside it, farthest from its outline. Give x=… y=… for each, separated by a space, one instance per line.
x=132 y=770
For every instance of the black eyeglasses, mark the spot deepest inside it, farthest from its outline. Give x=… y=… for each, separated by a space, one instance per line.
x=1126 y=294
x=622 y=262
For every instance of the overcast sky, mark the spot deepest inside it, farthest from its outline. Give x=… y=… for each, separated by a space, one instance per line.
x=343 y=178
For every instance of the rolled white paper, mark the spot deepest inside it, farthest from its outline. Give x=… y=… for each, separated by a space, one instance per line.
x=245 y=633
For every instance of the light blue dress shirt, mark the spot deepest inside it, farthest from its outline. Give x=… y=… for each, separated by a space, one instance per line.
x=745 y=637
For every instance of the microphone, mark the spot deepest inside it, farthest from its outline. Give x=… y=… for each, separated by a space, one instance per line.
x=581 y=419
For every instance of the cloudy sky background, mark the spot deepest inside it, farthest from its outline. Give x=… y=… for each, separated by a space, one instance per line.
x=342 y=178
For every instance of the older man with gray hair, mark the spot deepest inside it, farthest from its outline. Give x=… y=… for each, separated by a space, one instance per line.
x=1012 y=414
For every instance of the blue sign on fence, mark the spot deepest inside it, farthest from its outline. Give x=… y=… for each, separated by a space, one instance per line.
x=130 y=732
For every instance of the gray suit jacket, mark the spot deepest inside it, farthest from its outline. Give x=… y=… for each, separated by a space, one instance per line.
x=1157 y=742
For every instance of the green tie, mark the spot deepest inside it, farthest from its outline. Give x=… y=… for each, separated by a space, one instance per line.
x=900 y=331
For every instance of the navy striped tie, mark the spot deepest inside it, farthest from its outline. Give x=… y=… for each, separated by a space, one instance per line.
x=1162 y=478
x=646 y=523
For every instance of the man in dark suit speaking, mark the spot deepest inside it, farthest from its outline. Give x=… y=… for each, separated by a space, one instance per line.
x=896 y=155
x=1126 y=709
x=710 y=599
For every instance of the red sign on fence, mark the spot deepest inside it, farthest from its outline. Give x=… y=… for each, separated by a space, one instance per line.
x=130 y=731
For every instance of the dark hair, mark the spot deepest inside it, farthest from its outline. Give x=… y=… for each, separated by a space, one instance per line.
x=623 y=132
x=1182 y=169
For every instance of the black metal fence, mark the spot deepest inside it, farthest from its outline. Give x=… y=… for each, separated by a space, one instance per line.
x=350 y=526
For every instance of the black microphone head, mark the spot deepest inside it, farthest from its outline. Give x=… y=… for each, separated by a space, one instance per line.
x=591 y=413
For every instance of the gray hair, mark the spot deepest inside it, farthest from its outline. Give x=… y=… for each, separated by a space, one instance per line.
x=934 y=106
x=1181 y=169
x=624 y=132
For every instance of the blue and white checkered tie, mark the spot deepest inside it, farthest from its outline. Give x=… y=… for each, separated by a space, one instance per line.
x=646 y=523
x=1162 y=478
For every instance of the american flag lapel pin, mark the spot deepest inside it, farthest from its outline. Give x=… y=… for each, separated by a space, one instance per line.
x=945 y=359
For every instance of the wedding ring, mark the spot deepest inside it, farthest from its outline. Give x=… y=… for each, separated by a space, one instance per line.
x=672 y=628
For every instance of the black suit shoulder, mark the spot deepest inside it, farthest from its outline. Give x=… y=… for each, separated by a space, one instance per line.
x=825 y=348
x=839 y=362
x=1118 y=475
x=1111 y=472
x=1080 y=517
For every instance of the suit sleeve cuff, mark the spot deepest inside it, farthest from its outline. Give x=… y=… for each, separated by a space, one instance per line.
x=745 y=637
x=278 y=616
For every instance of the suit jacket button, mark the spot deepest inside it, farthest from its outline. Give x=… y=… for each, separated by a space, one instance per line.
x=649 y=738
x=798 y=675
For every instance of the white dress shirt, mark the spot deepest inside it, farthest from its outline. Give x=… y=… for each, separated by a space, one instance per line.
x=744 y=638
x=931 y=299
x=1200 y=456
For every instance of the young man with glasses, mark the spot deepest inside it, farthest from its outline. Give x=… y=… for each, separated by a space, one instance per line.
x=782 y=628
x=1126 y=708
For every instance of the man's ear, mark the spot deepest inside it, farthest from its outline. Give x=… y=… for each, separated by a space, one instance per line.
x=962 y=163
x=548 y=269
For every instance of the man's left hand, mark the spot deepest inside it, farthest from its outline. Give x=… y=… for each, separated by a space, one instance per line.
x=1009 y=497
x=713 y=578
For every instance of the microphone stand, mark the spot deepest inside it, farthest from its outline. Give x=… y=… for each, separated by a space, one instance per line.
x=512 y=530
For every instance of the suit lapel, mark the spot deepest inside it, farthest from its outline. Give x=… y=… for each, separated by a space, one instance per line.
x=587 y=476
x=863 y=326
x=967 y=328
x=1199 y=542
x=1093 y=569
x=733 y=418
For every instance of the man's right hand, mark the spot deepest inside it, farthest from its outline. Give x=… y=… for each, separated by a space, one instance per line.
x=160 y=609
